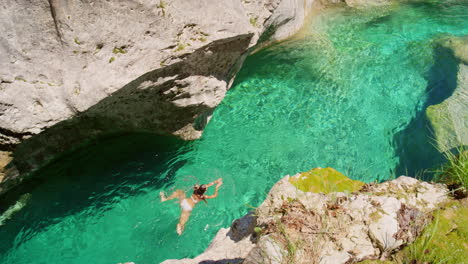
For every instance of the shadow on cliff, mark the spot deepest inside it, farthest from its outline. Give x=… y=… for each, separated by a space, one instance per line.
x=415 y=144
x=91 y=180
x=144 y=105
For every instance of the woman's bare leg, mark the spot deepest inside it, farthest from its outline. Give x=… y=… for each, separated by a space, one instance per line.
x=184 y=216
x=177 y=194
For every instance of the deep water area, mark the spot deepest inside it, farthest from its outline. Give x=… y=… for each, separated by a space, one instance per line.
x=349 y=92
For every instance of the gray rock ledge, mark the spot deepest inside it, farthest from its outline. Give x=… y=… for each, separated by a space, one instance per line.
x=327 y=228
x=71 y=72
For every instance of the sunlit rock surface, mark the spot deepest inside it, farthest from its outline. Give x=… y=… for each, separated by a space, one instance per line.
x=449 y=119
x=72 y=72
x=292 y=226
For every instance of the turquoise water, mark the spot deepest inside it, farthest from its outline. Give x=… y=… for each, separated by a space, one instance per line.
x=348 y=92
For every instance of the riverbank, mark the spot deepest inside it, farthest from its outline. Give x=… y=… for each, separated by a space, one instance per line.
x=357 y=222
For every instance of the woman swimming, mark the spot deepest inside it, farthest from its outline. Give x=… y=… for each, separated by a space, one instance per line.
x=187 y=204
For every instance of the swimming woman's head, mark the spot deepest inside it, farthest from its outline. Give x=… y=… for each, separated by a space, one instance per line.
x=199 y=189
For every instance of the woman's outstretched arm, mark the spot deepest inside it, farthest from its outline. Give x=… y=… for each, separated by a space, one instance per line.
x=219 y=183
x=213 y=183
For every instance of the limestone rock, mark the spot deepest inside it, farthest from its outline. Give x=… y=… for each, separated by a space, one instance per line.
x=382 y=232
x=71 y=72
x=287 y=20
x=367 y=3
x=5 y=158
x=267 y=250
x=358 y=3
x=459 y=46
x=338 y=227
x=339 y=257
x=342 y=227
x=449 y=119
x=230 y=245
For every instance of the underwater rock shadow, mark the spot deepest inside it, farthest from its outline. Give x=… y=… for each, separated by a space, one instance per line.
x=94 y=177
x=415 y=144
x=223 y=261
x=146 y=104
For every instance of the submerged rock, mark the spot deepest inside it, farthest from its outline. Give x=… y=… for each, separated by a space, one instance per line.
x=359 y=3
x=368 y=3
x=22 y=202
x=449 y=119
x=293 y=226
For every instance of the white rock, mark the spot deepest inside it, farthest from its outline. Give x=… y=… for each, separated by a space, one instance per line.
x=353 y=226
x=337 y=258
x=98 y=68
x=383 y=232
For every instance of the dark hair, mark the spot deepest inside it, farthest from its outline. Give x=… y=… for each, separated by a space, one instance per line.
x=199 y=190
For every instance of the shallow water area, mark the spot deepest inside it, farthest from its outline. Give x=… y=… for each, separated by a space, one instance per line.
x=349 y=92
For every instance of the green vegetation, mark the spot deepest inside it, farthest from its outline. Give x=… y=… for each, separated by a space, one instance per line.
x=325 y=180
x=77 y=41
x=253 y=21
x=162 y=6
x=99 y=46
x=291 y=246
x=258 y=231
x=375 y=261
x=111 y=59
x=180 y=47
x=445 y=240
x=117 y=50
x=20 y=79
x=455 y=172
x=375 y=216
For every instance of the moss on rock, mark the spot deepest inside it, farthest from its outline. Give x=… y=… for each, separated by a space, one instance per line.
x=445 y=240
x=324 y=180
x=376 y=261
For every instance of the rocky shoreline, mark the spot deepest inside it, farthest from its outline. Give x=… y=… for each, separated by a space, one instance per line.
x=89 y=70
x=163 y=72
x=358 y=223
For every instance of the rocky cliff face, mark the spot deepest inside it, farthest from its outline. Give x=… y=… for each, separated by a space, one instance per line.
x=71 y=72
x=360 y=222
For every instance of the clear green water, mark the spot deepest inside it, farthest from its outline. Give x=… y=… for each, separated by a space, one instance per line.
x=348 y=93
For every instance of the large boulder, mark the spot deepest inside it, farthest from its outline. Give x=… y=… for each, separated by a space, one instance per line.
x=71 y=72
x=293 y=226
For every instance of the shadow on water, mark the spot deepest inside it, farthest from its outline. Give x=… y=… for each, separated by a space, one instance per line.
x=90 y=180
x=415 y=143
